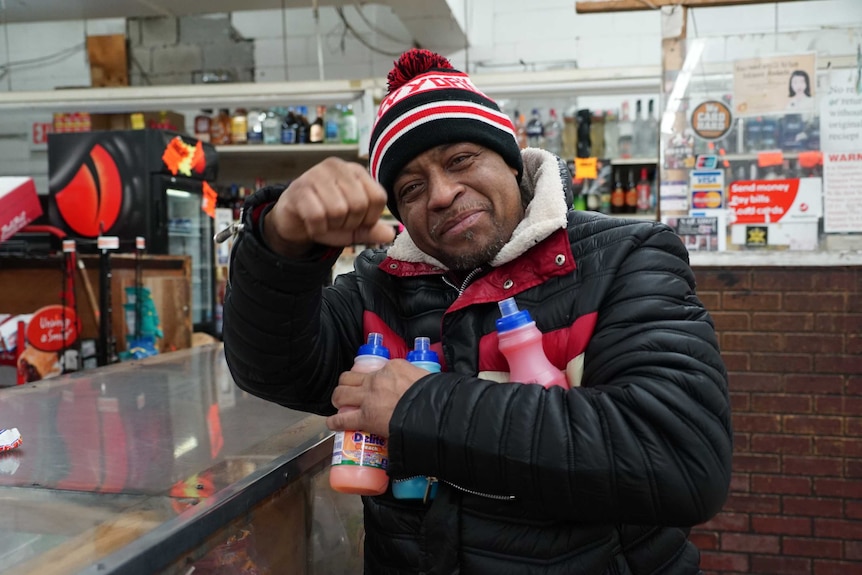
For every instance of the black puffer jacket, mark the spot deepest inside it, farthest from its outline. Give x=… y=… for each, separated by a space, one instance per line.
x=606 y=477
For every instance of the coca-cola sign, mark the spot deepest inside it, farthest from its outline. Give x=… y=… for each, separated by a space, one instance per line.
x=53 y=328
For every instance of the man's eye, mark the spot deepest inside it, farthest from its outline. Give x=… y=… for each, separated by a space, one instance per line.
x=461 y=160
x=409 y=192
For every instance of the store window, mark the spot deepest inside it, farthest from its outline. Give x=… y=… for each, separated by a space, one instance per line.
x=761 y=142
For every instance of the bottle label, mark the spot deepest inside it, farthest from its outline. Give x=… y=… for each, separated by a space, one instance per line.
x=358 y=448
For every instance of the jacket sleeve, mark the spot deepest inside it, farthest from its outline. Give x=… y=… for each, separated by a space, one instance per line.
x=286 y=337
x=646 y=440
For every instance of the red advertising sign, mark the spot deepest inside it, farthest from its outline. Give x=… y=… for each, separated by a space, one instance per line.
x=40 y=133
x=19 y=205
x=53 y=328
x=771 y=201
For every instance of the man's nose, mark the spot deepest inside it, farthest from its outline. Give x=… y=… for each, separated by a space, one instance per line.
x=443 y=188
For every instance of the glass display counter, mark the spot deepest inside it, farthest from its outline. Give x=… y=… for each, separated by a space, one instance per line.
x=164 y=466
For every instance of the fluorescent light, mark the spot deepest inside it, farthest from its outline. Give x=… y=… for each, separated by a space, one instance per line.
x=680 y=85
x=179 y=194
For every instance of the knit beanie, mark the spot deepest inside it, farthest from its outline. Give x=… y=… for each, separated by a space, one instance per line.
x=429 y=103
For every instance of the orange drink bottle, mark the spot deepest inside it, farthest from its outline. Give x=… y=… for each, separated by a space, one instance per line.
x=521 y=342
x=360 y=459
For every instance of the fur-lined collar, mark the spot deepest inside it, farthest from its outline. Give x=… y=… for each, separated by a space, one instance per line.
x=545 y=214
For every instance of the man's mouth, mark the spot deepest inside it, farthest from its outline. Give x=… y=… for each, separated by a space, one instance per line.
x=459 y=223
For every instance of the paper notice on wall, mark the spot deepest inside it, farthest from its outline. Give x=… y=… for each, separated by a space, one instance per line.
x=842 y=194
x=779 y=84
x=841 y=113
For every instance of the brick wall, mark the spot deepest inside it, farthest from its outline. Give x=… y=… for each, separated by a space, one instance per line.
x=792 y=342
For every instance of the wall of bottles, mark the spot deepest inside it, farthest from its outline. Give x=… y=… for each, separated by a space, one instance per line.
x=278 y=125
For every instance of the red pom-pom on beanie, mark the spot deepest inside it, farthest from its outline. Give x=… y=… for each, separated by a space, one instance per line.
x=412 y=63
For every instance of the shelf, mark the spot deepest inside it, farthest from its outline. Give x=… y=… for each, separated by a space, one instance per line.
x=154 y=98
x=753 y=156
x=281 y=149
x=633 y=161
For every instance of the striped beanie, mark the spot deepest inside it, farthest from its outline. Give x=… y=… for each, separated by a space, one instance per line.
x=429 y=103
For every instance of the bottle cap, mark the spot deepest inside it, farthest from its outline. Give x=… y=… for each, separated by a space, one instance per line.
x=422 y=351
x=512 y=317
x=374 y=346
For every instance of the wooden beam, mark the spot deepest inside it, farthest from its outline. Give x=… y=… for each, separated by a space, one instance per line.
x=598 y=6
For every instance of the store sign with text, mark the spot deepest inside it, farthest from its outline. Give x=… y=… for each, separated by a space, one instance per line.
x=53 y=328
x=711 y=120
x=707 y=189
x=773 y=201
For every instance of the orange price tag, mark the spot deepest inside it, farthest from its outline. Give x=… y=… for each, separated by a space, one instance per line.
x=766 y=159
x=810 y=160
x=586 y=168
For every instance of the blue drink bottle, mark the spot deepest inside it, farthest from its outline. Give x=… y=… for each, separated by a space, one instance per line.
x=419 y=487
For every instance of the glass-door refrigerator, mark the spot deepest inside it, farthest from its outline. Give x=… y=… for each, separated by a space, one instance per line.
x=152 y=183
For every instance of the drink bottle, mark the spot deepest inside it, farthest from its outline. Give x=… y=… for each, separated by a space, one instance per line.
x=419 y=487
x=521 y=342
x=360 y=459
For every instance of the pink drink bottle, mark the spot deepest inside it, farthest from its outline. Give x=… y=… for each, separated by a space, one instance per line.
x=521 y=342
x=359 y=459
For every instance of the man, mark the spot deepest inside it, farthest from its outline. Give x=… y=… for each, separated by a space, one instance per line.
x=604 y=477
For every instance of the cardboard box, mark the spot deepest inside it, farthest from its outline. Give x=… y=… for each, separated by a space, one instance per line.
x=19 y=205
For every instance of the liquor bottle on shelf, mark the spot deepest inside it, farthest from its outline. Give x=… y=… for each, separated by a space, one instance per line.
x=332 y=125
x=302 y=124
x=612 y=135
x=639 y=135
x=272 y=126
x=651 y=131
x=535 y=130
x=626 y=133
x=521 y=129
x=289 y=127
x=584 y=147
x=570 y=133
x=618 y=196
x=554 y=134
x=255 y=126
x=317 y=131
x=203 y=124
x=631 y=195
x=644 y=201
x=597 y=134
x=220 y=128
x=239 y=126
x=349 y=126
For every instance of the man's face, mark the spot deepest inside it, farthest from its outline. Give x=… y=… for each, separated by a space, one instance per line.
x=460 y=203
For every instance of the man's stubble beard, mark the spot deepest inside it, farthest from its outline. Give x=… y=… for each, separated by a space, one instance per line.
x=465 y=263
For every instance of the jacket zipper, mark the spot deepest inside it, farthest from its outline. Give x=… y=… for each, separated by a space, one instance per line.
x=463 y=287
x=480 y=494
x=465 y=283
